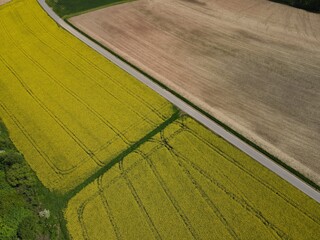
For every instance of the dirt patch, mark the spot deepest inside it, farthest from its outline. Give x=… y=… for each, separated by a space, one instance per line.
x=253 y=64
x=4 y=1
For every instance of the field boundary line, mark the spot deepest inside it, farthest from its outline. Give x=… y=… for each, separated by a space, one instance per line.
x=257 y=153
x=95 y=9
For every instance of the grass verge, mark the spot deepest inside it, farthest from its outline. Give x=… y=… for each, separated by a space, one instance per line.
x=70 y=8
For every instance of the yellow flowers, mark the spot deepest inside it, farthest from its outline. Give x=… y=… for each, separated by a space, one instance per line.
x=68 y=109
x=187 y=183
x=72 y=113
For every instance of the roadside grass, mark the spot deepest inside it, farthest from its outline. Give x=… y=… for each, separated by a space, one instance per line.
x=67 y=8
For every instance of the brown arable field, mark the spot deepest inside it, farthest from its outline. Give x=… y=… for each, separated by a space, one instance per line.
x=3 y=1
x=252 y=64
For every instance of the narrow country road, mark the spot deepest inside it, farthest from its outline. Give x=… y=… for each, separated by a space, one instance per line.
x=234 y=140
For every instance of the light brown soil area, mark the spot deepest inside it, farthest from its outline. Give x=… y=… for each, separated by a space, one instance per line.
x=4 y=1
x=253 y=64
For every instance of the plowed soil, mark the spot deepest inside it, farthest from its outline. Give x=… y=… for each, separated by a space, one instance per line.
x=4 y=1
x=253 y=64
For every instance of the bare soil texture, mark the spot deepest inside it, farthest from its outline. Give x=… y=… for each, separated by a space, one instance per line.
x=253 y=64
x=4 y=1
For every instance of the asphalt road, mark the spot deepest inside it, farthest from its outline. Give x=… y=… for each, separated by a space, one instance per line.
x=234 y=140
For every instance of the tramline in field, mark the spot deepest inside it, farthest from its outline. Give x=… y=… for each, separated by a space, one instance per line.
x=69 y=110
x=168 y=189
x=122 y=162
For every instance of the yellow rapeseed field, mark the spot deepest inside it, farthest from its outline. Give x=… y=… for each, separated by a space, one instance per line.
x=68 y=109
x=73 y=114
x=187 y=183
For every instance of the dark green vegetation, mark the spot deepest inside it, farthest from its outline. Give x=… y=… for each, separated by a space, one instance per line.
x=71 y=7
x=310 y=5
x=23 y=199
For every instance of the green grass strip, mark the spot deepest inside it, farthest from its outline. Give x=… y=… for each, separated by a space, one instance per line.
x=113 y=3
x=74 y=7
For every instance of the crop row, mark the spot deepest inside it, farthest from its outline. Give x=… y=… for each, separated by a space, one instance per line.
x=186 y=183
x=69 y=110
x=74 y=114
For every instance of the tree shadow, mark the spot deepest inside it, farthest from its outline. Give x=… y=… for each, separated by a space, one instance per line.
x=308 y=5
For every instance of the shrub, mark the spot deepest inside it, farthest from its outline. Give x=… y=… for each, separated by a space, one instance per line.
x=28 y=228
x=10 y=158
x=6 y=232
x=5 y=143
x=20 y=174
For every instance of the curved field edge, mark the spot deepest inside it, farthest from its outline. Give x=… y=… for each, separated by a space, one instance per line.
x=23 y=197
x=81 y=109
x=65 y=8
x=192 y=180
x=180 y=209
x=276 y=159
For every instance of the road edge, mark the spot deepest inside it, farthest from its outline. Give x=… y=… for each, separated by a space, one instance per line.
x=267 y=160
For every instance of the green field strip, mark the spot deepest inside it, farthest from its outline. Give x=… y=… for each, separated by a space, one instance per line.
x=96 y=8
x=65 y=8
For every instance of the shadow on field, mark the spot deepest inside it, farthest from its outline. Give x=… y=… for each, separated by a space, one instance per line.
x=308 y=5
